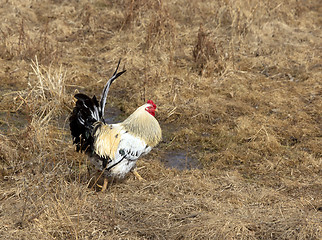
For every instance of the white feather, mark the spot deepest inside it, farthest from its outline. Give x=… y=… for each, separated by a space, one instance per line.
x=133 y=147
x=129 y=149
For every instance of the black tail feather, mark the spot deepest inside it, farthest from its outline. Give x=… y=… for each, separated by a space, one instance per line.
x=86 y=112
x=83 y=117
x=107 y=87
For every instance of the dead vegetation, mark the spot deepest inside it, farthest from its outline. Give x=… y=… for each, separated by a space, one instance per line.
x=238 y=85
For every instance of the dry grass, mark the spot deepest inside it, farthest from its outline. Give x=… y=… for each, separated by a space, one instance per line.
x=238 y=85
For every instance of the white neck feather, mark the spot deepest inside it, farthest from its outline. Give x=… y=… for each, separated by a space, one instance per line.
x=143 y=125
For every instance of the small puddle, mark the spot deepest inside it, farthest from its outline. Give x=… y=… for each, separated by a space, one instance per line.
x=180 y=161
x=112 y=115
x=9 y=120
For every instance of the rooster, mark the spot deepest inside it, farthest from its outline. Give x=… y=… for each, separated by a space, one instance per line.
x=113 y=148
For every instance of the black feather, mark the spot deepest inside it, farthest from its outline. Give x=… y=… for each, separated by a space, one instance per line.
x=82 y=121
x=87 y=112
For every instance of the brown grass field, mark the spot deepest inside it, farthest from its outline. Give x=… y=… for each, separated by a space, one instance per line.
x=238 y=86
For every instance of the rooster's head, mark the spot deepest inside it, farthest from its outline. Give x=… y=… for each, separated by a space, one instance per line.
x=151 y=107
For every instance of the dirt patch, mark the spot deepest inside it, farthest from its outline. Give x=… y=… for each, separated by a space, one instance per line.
x=180 y=161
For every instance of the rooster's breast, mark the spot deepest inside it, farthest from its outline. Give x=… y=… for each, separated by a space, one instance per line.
x=129 y=150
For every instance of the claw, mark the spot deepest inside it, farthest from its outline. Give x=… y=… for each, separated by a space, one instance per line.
x=104 y=185
x=138 y=176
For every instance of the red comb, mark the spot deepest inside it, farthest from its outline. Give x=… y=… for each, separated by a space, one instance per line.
x=152 y=103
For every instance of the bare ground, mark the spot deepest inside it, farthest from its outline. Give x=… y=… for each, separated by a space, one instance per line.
x=238 y=85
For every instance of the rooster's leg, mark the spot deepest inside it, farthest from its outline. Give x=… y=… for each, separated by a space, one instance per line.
x=138 y=176
x=104 y=184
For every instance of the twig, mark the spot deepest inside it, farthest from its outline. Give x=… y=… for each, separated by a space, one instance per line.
x=36 y=215
x=19 y=224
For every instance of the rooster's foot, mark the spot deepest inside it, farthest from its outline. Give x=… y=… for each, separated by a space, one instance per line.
x=104 y=185
x=138 y=176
